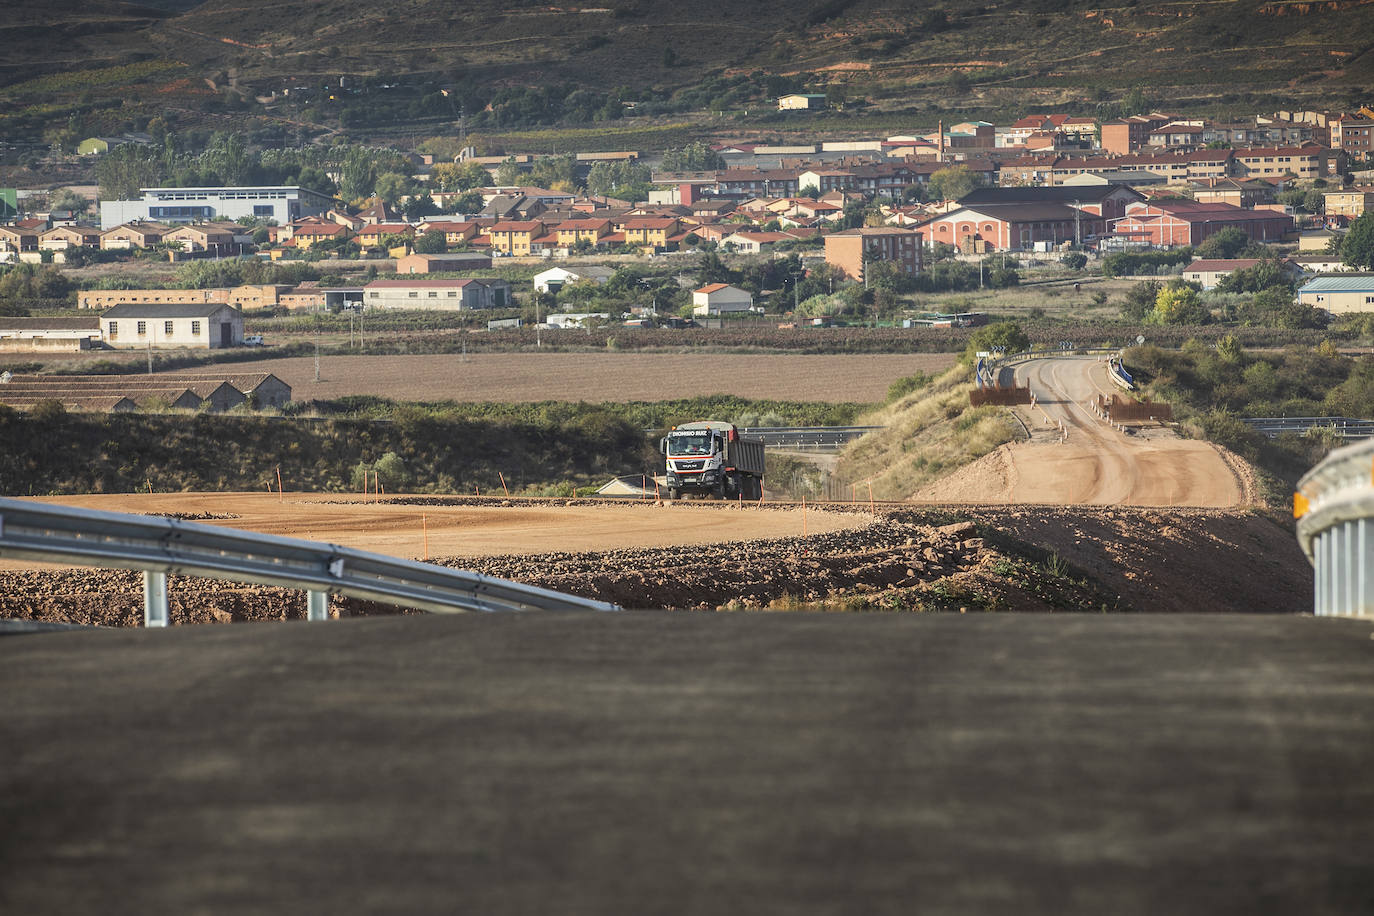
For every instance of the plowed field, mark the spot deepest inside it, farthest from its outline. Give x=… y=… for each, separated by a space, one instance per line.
x=596 y=377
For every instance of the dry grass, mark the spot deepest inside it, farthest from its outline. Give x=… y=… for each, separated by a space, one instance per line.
x=927 y=434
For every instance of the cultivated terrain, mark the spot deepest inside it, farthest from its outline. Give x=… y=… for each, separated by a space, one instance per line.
x=222 y=63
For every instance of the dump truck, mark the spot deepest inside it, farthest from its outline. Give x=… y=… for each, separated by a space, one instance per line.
x=711 y=458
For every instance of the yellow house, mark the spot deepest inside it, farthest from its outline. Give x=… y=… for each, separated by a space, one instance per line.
x=455 y=233
x=515 y=237
x=650 y=231
x=572 y=231
x=315 y=233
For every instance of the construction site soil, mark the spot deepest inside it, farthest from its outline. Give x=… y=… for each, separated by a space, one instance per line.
x=708 y=555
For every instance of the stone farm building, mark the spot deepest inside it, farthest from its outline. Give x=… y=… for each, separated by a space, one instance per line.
x=205 y=325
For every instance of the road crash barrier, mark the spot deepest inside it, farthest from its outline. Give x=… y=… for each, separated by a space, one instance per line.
x=1119 y=376
x=1334 y=506
x=168 y=546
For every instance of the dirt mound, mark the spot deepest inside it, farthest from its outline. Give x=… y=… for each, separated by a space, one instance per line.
x=953 y=559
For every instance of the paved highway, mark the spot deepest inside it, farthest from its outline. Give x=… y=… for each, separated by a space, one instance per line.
x=681 y=763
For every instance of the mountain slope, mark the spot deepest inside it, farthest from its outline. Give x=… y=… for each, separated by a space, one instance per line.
x=961 y=56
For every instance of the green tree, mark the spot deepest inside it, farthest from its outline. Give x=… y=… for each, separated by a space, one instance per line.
x=1267 y=273
x=1229 y=350
x=1134 y=102
x=1226 y=243
x=357 y=174
x=418 y=206
x=124 y=170
x=391 y=187
x=468 y=202
x=1275 y=307
x=1001 y=334
x=228 y=157
x=711 y=269
x=555 y=173
x=432 y=242
x=1357 y=249
x=694 y=157
x=627 y=180
x=1178 y=303
x=1140 y=300
x=952 y=183
x=508 y=173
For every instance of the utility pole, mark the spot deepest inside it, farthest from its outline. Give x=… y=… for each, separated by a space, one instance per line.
x=317 y=360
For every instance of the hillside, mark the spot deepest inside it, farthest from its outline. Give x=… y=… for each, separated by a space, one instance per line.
x=883 y=57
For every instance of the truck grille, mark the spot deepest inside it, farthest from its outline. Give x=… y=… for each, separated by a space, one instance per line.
x=689 y=465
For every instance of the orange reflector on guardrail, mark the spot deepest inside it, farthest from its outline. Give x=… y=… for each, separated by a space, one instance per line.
x=1299 y=505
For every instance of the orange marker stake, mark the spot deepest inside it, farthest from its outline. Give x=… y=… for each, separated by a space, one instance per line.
x=278 y=483
x=870 y=496
x=803 y=515
x=503 y=482
x=644 y=486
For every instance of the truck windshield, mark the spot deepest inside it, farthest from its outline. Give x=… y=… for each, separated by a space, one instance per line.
x=699 y=444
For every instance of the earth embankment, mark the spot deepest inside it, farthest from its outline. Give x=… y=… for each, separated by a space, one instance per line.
x=968 y=558
x=1074 y=457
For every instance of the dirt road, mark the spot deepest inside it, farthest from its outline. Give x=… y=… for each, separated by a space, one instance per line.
x=1098 y=465
x=418 y=531
x=1094 y=464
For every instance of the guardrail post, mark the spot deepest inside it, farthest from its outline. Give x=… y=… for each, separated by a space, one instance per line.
x=317 y=605
x=154 y=598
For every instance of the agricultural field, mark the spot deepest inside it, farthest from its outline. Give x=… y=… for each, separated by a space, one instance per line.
x=598 y=377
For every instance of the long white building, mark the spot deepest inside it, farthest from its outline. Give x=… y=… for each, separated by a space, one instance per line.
x=198 y=205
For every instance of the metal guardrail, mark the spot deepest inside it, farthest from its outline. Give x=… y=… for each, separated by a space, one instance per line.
x=166 y=546
x=1334 y=505
x=1344 y=427
x=1119 y=376
x=810 y=437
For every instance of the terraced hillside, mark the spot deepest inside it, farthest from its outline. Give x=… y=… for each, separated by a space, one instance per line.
x=894 y=56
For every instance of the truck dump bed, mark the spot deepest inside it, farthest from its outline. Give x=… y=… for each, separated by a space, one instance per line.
x=745 y=455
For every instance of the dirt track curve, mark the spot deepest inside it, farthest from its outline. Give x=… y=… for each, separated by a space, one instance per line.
x=1074 y=458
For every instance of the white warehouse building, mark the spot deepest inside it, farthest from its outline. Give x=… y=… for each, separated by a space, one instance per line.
x=283 y=204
